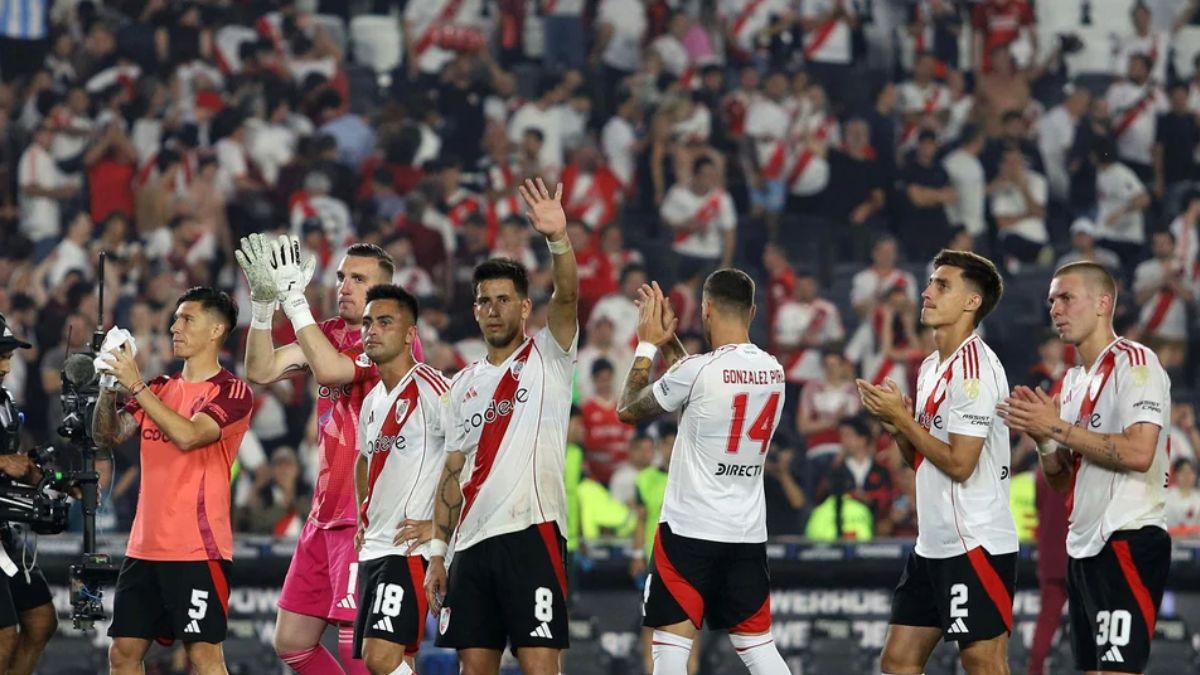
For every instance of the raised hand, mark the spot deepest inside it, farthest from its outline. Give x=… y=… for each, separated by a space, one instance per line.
x=292 y=273
x=255 y=259
x=545 y=211
x=650 y=326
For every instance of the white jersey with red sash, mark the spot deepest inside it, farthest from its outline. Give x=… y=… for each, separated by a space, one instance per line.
x=866 y=350
x=871 y=285
x=427 y=18
x=959 y=396
x=809 y=172
x=745 y=19
x=400 y=433
x=459 y=205
x=1164 y=316
x=1155 y=46
x=769 y=123
x=590 y=196
x=1135 y=118
x=931 y=98
x=801 y=325
x=712 y=211
x=1187 y=247
x=1126 y=385
x=831 y=41
x=511 y=422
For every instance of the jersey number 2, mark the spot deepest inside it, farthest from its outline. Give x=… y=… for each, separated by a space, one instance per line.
x=760 y=429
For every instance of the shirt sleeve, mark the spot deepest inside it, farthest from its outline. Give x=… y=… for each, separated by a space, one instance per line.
x=456 y=437
x=673 y=210
x=1143 y=390
x=973 y=400
x=674 y=388
x=233 y=402
x=364 y=369
x=728 y=219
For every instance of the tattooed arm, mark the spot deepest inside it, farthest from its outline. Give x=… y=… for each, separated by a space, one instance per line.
x=266 y=364
x=637 y=400
x=448 y=505
x=1131 y=450
x=111 y=427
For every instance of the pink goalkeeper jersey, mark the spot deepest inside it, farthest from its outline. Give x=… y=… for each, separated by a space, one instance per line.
x=338 y=409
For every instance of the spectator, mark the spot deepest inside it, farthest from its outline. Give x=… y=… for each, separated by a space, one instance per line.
x=869 y=286
x=1182 y=510
x=1165 y=291
x=1002 y=23
x=1047 y=374
x=1177 y=138
x=619 y=306
x=967 y=178
x=620 y=27
x=1154 y=45
x=829 y=27
x=824 y=403
x=408 y=274
x=72 y=253
x=430 y=30
x=600 y=346
x=1018 y=197
x=542 y=114
x=855 y=468
x=1185 y=436
x=279 y=507
x=622 y=484
x=1135 y=104
x=316 y=202
x=927 y=190
x=1056 y=134
x=591 y=192
x=563 y=24
x=901 y=520
x=782 y=493
x=881 y=118
x=1014 y=132
x=857 y=196
x=1079 y=160
x=923 y=95
x=1186 y=230
x=607 y=438
x=804 y=327
x=1120 y=224
x=1083 y=247
x=768 y=127
x=620 y=142
x=684 y=297
x=881 y=346
x=702 y=215
x=41 y=187
x=781 y=280
x=596 y=275
x=813 y=131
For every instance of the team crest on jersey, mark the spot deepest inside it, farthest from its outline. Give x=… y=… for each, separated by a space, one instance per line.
x=401 y=409
x=363 y=360
x=1140 y=375
x=971 y=388
x=517 y=368
x=444 y=621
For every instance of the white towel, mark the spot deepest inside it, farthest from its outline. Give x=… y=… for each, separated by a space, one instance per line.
x=112 y=342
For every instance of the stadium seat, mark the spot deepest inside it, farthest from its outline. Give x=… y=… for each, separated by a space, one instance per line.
x=334 y=27
x=377 y=43
x=1100 y=44
x=1112 y=14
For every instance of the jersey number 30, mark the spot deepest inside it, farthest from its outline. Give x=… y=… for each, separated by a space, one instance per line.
x=760 y=429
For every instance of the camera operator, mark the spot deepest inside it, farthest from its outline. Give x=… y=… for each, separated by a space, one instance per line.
x=174 y=580
x=27 y=616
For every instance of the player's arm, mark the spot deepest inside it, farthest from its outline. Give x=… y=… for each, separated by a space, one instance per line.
x=110 y=426
x=655 y=331
x=265 y=363
x=1130 y=450
x=448 y=505
x=329 y=366
x=637 y=400
x=549 y=219
x=188 y=434
x=957 y=459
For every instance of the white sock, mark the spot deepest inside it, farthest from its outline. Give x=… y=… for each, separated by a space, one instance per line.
x=670 y=652
x=403 y=670
x=759 y=654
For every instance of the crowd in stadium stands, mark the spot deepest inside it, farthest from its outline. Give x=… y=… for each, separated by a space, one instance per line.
x=829 y=147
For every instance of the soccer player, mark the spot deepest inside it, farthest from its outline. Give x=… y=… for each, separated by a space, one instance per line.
x=321 y=586
x=508 y=413
x=1104 y=445
x=174 y=583
x=958 y=581
x=403 y=452
x=710 y=555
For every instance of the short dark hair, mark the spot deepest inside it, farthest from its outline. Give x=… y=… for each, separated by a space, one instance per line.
x=212 y=300
x=858 y=425
x=372 y=251
x=980 y=273
x=397 y=293
x=631 y=268
x=503 y=268
x=730 y=289
x=601 y=365
x=701 y=162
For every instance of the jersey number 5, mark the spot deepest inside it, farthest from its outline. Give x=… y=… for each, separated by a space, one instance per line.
x=760 y=429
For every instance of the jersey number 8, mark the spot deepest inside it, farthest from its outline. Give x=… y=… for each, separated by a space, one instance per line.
x=760 y=429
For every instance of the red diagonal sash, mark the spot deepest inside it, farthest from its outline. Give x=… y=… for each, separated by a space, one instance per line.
x=449 y=11
x=1131 y=114
x=1161 y=307
x=1091 y=396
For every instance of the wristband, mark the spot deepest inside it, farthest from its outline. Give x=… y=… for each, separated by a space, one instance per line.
x=438 y=548
x=647 y=350
x=261 y=314
x=137 y=389
x=295 y=306
x=559 y=247
x=1047 y=448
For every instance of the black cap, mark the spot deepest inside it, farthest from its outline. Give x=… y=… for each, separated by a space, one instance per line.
x=9 y=341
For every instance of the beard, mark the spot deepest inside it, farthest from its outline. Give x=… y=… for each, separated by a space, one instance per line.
x=502 y=340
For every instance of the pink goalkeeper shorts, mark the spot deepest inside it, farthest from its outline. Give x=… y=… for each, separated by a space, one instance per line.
x=322 y=580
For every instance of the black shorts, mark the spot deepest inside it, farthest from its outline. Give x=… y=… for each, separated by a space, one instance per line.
x=727 y=585
x=1114 y=597
x=391 y=602
x=511 y=587
x=968 y=597
x=18 y=596
x=171 y=600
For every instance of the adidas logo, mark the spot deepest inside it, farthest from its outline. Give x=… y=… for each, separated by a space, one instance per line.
x=384 y=624
x=347 y=603
x=542 y=631
x=1113 y=655
x=959 y=626
x=192 y=627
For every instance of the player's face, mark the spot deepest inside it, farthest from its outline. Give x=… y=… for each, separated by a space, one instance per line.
x=194 y=330
x=355 y=275
x=387 y=331
x=946 y=297
x=500 y=311
x=1075 y=308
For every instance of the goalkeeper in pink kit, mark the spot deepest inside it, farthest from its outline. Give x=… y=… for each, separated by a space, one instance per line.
x=321 y=586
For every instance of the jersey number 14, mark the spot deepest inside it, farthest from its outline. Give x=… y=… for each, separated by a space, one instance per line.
x=760 y=429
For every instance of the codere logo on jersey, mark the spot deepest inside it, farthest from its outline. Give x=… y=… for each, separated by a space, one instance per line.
x=494 y=410
x=385 y=443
